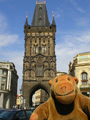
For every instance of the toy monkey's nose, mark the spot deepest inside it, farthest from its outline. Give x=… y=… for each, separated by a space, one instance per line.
x=63 y=89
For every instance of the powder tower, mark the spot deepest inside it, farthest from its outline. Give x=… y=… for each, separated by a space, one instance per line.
x=39 y=63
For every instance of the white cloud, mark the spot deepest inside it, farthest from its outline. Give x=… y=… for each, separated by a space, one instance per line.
x=3 y=23
x=7 y=39
x=83 y=21
x=78 y=7
x=17 y=58
x=58 y=13
x=68 y=46
x=7 y=52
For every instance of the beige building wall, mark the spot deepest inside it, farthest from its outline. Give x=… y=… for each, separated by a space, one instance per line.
x=80 y=68
x=19 y=101
x=39 y=97
x=8 y=84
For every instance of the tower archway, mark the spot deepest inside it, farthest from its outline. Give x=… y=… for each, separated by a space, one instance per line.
x=34 y=89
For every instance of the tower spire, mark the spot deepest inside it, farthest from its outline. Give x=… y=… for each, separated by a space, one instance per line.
x=53 y=21
x=26 y=22
x=40 y=17
x=53 y=13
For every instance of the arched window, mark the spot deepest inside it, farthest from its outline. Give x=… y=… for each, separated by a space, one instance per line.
x=35 y=49
x=44 y=49
x=84 y=78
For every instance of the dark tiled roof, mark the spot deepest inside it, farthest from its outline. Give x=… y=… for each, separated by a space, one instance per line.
x=40 y=17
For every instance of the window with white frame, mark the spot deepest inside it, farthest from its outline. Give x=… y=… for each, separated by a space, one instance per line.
x=84 y=78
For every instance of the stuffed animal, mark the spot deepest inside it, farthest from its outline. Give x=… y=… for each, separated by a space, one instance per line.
x=66 y=102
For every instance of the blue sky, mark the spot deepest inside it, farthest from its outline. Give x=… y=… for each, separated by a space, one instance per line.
x=72 y=19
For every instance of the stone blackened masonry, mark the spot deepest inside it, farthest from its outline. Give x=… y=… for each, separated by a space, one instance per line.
x=39 y=63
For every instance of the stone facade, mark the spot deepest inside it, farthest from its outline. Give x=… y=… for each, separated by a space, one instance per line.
x=80 y=67
x=39 y=64
x=8 y=84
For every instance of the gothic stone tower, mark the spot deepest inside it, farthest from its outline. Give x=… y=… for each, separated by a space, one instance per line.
x=39 y=64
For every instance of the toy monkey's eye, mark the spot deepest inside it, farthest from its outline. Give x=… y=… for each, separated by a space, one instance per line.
x=68 y=79
x=56 y=80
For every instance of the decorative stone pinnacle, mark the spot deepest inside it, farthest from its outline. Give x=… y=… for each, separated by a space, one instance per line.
x=53 y=13
x=26 y=15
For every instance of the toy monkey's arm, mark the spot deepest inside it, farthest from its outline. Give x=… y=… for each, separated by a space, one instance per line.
x=40 y=113
x=85 y=103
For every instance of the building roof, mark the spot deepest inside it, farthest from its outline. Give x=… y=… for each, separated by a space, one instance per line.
x=40 y=17
x=84 y=53
x=6 y=62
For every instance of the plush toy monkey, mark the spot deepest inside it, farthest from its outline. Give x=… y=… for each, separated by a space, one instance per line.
x=66 y=102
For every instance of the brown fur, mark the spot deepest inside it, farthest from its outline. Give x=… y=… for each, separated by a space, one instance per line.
x=66 y=102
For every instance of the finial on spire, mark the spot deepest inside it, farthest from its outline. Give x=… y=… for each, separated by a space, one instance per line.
x=36 y=1
x=26 y=22
x=26 y=15
x=53 y=13
x=53 y=21
x=44 y=1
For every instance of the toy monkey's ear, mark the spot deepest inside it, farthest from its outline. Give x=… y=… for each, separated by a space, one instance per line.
x=50 y=82
x=76 y=80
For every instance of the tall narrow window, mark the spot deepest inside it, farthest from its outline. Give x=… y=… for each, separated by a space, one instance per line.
x=84 y=78
x=44 y=49
x=35 y=49
x=39 y=71
x=2 y=86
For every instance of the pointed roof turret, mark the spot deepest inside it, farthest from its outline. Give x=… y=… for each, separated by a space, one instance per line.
x=26 y=22
x=40 y=17
x=53 y=21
